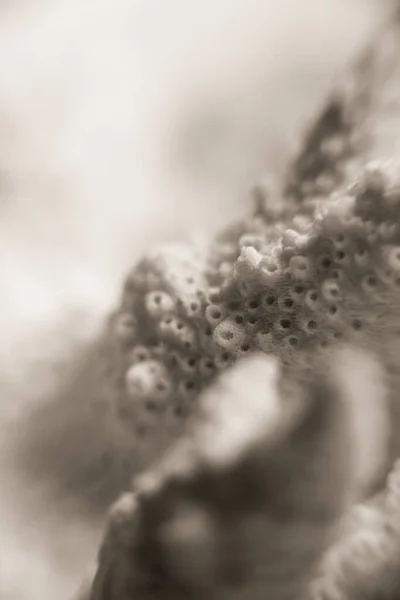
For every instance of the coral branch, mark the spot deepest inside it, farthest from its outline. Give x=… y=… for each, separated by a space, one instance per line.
x=245 y=503
x=242 y=506
x=294 y=292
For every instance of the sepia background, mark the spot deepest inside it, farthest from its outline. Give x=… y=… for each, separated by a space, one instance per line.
x=124 y=123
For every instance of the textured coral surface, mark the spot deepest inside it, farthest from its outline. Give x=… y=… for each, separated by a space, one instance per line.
x=82 y=97
x=313 y=264
x=245 y=504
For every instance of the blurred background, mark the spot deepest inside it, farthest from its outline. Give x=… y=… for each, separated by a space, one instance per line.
x=125 y=123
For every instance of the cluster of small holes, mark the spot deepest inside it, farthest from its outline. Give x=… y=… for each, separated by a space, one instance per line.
x=175 y=329
x=284 y=294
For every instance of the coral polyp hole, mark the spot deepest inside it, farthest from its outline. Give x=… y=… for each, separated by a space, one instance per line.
x=299 y=289
x=340 y=255
x=357 y=325
x=191 y=362
x=253 y=320
x=238 y=319
x=288 y=303
x=189 y=385
x=312 y=325
x=271 y=267
x=293 y=341
x=270 y=301
x=333 y=310
x=326 y=262
x=253 y=304
x=245 y=347
x=285 y=323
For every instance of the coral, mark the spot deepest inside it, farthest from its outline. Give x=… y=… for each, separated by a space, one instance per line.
x=364 y=562
x=226 y=512
x=304 y=270
x=323 y=281
x=264 y=492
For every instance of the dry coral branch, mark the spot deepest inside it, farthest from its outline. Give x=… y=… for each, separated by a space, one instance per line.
x=227 y=512
x=314 y=266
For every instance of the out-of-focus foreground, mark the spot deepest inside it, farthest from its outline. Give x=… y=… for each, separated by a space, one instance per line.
x=123 y=124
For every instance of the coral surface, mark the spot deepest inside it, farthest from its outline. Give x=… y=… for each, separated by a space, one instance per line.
x=261 y=496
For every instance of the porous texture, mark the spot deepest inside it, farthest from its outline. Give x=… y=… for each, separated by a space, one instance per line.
x=314 y=266
x=295 y=293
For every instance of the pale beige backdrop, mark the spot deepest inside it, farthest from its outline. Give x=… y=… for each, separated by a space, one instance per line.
x=124 y=123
